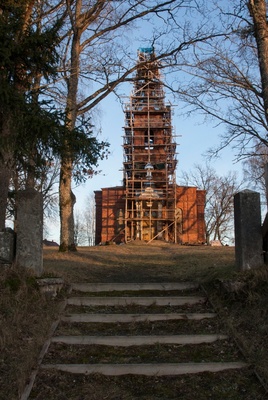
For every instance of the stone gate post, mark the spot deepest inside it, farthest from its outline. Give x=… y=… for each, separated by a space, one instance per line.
x=29 y=247
x=248 y=236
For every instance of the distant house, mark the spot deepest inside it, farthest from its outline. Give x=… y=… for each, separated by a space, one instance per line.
x=50 y=243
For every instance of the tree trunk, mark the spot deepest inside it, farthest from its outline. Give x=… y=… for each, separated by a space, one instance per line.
x=257 y=9
x=207 y=238
x=67 y=198
x=67 y=201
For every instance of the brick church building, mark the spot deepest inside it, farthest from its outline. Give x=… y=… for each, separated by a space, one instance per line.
x=149 y=205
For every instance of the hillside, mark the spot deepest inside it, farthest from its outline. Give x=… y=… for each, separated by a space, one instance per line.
x=26 y=315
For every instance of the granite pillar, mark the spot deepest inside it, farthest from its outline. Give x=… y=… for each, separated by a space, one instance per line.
x=248 y=235
x=29 y=248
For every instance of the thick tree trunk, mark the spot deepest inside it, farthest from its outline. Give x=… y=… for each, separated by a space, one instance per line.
x=67 y=198
x=67 y=201
x=257 y=9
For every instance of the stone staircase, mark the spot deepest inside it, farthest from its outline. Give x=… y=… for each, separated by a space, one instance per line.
x=137 y=329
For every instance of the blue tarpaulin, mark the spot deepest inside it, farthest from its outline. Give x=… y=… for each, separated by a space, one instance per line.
x=146 y=49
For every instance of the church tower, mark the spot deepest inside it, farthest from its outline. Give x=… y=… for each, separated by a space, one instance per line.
x=149 y=157
x=150 y=205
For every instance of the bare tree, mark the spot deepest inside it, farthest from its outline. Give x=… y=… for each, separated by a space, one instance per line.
x=46 y=183
x=254 y=172
x=80 y=232
x=84 y=223
x=258 y=13
x=225 y=79
x=89 y=216
x=220 y=191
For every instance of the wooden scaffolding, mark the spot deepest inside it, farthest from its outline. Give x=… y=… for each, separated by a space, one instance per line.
x=149 y=158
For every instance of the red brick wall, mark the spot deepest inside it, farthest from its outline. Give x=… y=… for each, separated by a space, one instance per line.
x=107 y=210
x=191 y=201
x=201 y=197
x=110 y=200
x=98 y=205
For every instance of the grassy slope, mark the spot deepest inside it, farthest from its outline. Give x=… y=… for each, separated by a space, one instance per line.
x=25 y=315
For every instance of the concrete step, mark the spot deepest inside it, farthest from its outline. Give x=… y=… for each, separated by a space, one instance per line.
x=128 y=318
x=143 y=301
x=170 y=369
x=142 y=369
x=149 y=369
x=126 y=341
x=109 y=287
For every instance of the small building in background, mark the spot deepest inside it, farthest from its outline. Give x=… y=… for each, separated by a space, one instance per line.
x=149 y=205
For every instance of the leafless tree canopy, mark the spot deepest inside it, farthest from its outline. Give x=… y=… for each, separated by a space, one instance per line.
x=226 y=77
x=254 y=172
x=219 y=199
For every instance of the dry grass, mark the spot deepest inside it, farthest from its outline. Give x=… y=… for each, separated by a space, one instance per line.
x=26 y=315
x=135 y=262
x=244 y=308
x=25 y=318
